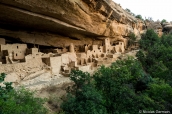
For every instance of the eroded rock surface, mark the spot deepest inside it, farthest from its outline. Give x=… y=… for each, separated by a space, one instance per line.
x=39 y=20
x=61 y=35
x=156 y=26
x=167 y=27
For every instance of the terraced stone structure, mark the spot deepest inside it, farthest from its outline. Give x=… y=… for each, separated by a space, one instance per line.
x=57 y=36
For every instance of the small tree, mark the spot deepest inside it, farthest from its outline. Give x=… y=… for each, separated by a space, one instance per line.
x=4 y=90
x=163 y=21
x=128 y=10
x=20 y=101
x=141 y=57
x=139 y=17
x=149 y=39
x=132 y=39
x=83 y=98
x=122 y=88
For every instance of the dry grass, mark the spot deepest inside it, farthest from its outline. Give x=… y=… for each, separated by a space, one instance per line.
x=54 y=96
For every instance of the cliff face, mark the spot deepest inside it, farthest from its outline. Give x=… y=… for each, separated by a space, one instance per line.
x=61 y=22
x=69 y=35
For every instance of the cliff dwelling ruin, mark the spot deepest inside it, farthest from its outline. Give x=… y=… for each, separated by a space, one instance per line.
x=51 y=38
x=22 y=60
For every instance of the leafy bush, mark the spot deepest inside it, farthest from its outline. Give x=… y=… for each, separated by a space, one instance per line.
x=157 y=60
x=129 y=11
x=132 y=39
x=163 y=21
x=149 y=39
x=83 y=98
x=161 y=93
x=141 y=57
x=139 y=17
x=19 y=101
x=4 y=90
x=123 y=88
x=166 y=40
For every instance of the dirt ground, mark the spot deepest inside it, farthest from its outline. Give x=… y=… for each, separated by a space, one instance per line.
x=53 y=95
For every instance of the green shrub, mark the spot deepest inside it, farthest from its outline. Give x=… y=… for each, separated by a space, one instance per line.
x=139 y=17
x=149 y=39
x=19 y=101
x=163 y=21
x=123 y=88
x=83 y=98
x=166 y=40
x=132 y=39
x=5 y=88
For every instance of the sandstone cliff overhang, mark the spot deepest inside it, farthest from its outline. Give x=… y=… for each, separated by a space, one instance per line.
x=77 y=19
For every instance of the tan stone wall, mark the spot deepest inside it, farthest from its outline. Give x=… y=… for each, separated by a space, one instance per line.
x=23 y=69
x=55 y=63
x=65 y=58
x=18 y=50
x=33 y=51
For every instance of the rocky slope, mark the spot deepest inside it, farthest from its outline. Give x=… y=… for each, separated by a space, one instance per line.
x=61 y=22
